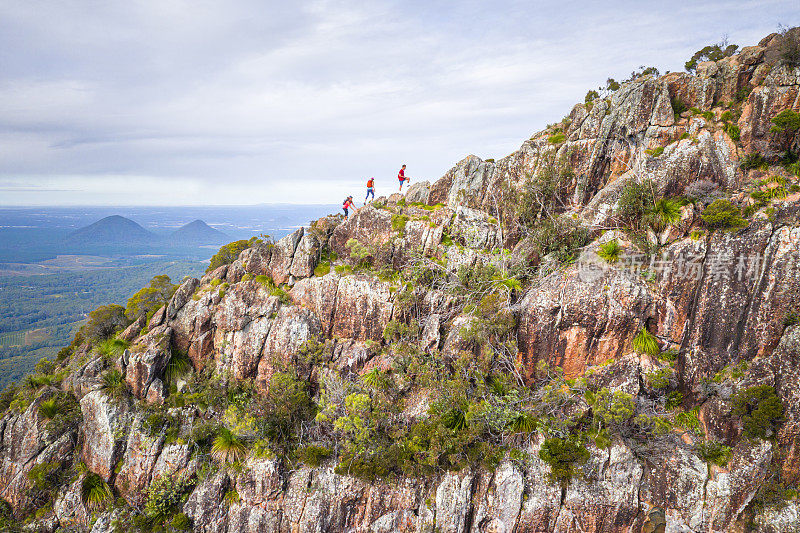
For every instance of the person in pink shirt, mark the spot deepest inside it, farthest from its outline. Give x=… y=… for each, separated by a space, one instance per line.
x=347 y=204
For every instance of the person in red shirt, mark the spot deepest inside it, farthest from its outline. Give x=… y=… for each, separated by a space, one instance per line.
x=370 y=189
x=401 y=177
x=348 y=203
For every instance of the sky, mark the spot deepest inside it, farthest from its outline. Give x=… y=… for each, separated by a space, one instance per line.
x=167 y=102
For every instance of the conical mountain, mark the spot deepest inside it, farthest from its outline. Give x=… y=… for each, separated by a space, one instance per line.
x=198 y=232
x=114 y=229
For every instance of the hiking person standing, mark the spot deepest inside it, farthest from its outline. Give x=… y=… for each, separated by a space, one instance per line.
x=370 y=189
x=401 y=177
x=347 y=204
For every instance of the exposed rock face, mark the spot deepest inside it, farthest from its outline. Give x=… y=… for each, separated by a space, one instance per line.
x=575 y=323
x=147 y=364
x=720 y=307
x=104 y=424
x=355 y=307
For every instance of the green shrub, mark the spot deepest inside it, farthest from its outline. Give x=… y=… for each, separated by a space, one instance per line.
x=560 y=236
x=164 y=497
x=690 y=420
x=563 y=455
x=743 y=93
x=610 y=251
x=322 y=268
x=673 y=400
x=591 y=96
x=396 y=330
x=714 y=452
x=265 y=281
x=646 y=343
x=95 y=492
x=678 y=106
x=614 y=409
x=104 y=321
x=247 y=277
x=659 y=379
x=524 y=423
x=399 y=223
x=312 y=455
x=635 y=202
x=655 y=152
x=364 y=255
x=62 y=412
x=229 y=253
x=45 y=479
x=150 y=298
x=558 y=138
x=786 y=120
x=203 y=434
x=708 y=115
x=158 y=423
x=281 y=413
x=733 y=132
x=760 y=410
x=752 y=160
x=281 y=295
x=7 y=396
x=722 y=214
x=180 y=522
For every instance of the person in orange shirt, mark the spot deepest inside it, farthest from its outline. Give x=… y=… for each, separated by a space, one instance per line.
x=370 y=189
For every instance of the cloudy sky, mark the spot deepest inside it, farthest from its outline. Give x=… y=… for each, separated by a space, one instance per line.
x=240 y=102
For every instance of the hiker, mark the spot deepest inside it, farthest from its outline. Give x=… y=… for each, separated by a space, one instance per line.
x=401 y=177
x=370 y=189
x=348 y=203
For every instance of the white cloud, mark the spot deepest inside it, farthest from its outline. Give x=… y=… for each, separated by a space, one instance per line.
x=238 y=102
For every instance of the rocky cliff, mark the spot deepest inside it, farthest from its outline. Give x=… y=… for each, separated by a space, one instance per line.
x=598 y=332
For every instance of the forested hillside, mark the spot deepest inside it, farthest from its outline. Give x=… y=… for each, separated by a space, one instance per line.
x=40 y=314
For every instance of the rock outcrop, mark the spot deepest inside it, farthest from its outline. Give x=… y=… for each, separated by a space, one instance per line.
x=500 y=350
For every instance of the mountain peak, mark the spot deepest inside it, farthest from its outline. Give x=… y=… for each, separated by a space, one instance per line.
x=198 y=232
x=113 y=229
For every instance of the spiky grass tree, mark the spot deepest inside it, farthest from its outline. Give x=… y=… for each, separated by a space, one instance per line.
x=228 y=447
x=48 y=409
x=113 y=384
x=646 y=343
x=112 y=347
x=664 y=212
x=179 y=364
x=610 y=251
x=524 y=423
x=95 y=492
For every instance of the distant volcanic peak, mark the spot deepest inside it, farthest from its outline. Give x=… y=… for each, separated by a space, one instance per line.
x=198 y=232
x=114 y=229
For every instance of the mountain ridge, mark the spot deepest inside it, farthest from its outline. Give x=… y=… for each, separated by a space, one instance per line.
x=597 y=332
